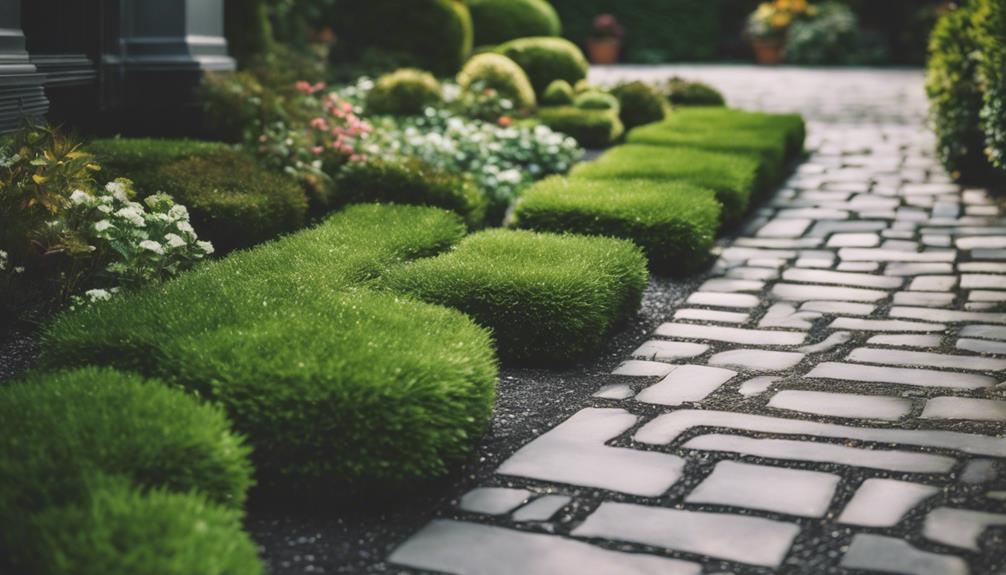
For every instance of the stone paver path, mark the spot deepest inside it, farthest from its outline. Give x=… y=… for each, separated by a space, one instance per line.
x=831 y=399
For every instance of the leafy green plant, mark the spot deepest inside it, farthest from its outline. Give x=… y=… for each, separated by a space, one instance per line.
x=590 y=128
x=547 y=298
x=497 y=72
x=639 y=104
x=675 y=223
x=596 y=100
x=681 y=92
x=832 y=36
x=990 y=30
x=404 y=92
x=498 y=21
x=546 y=59
x=558 y=93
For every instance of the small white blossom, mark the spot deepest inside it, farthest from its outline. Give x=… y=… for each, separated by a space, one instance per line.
x=3 y=260
x=174 y=240
x=186 y=228
x=105 y=209
x=132 y=215
x=102 y=225
x=178 y=212
x=79 y=197
x=118 y=191
x=19 y=270
x=98 y=295
x=207 y=247
x=152 y=246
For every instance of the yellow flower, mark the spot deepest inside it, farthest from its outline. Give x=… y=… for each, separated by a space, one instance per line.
x=781 y=20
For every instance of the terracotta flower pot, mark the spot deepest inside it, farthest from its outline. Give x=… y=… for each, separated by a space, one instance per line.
x=604 y=50
x=768 y=52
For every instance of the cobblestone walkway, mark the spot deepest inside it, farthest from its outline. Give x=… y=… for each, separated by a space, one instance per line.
x=830 y=400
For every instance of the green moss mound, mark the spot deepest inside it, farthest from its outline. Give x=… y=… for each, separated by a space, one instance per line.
x=709 y=119
x=674 y=223
x=548 y=299
x=558 y=93
x=681 y=92
x=596 y=100
x=639 y=104
x=733 y=177
x=498 y=21
x=590 y=128
x=546 y=60
x=496 y=71
x=410 y=182
x=404 y=92
x=436 y=33
x=121 y=530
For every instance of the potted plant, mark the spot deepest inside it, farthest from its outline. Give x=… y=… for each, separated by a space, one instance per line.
x=768 y=26
x=605 y=41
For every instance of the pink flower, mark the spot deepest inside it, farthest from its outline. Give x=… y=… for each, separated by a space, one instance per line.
x=319 y=124
x=317 y=150
x=303 y=86
x=357 y=158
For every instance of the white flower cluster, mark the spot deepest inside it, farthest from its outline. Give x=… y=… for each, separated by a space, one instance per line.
x=3 y=260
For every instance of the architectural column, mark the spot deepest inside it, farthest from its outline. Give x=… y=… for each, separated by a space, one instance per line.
x=21 y=91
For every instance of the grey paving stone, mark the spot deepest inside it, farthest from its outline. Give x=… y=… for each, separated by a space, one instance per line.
x=838 y=307
x=734 y=300
x=987 y=254
x=900 y=375
x=574 y=453
x=933 y=283
x=669 y=351
x=857 y=324
x=979 y=471
x=753 y=273
x=924 y=298
x=892 y=555
x=883 y=502
x=542 y=508
x=825 y=228
x=794 y=450
x=785 y=315
x=987 y=296
x=833 y=340
x=813 y=214
x=789 y=491
x=965 y=408
x=983 y=281
x=472 y=549
x=751 y=540
x=979 y=306
x=861 y=240
x=731 y=334
x=882 y=255
x=910 y=269
x=815 y=262
x=842 y=278
x=946 y=315
x=959 y=527
x=687 y=383
x=990 y=267
x=643 y=368
x=925 y=359
x=970 y=243
x=858 y=266
x=709 y=315
x=911 y=340
x=756 y=359
x=809 y=292
x=984 y=332
x=757 y=385
x=493 y=500
x=779 y=243
x=615 y=391
x=842 y=404
x=728 y=285
x=982 y=346
x=665 y=428
x=784 y=228
x=745 y=254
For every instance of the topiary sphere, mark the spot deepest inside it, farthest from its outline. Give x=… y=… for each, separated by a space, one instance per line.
x=639 y=104
x=498 y=21
x=558 y=93
x=681 y=92
x=500 y=73
x=546 y=60
x=404 y=92
x=596 y=100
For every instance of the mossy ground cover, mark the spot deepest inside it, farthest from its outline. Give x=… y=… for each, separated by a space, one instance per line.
x=589 y=127
x=675 y=223
x=710 y=119
x=549 y=299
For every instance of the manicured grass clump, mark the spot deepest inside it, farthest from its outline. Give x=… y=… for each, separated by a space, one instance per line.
x=547 y=298
x=589 y=127
x=707 y=119
x=639 y=104
x=135 y=156
x=733 y=177
x=675 y=223
x=411 y=182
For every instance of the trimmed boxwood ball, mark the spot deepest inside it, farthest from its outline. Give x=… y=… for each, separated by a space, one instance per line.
x=590 y=128
x=500 y=73
x=548 y=299
x=404 y=92
x=733 y=177
x=547 y=59
x=639 y=104
x=122 y=530
x=437 y=33
x=675 y=223
x=596 y=100
x=681 y=92
x=497 y=21
x=558 y=93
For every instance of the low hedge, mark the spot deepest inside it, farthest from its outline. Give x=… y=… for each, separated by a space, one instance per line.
x=498 y=21
x=791 y=127
x=681 y=92
x=500 y=73
x=410 y=182
x=590 y=128
x=675 y=223
x=233 y=202
x=639 y=104
x=547 y=59
x=64 y=430
x=404 y=92
x=548 y=299
x=122 y=530
x=990 y=29
x=734 y=178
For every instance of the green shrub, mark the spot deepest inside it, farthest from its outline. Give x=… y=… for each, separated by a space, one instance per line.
x=547 y=298
x=498 y=21
x=558 y=93
x=674 y=223
x=437 y=33
x=733 y=177
x=404 y=92
x=833 y=36
x=596 y=100
x=410 y=182
x=236 y=106
x=65 y=429
x=546 y=60
x=233 y=201
x=121 y=530
x=990 y=30
x=706 y=119
x=639 y=104
x=590 y=128
x=500 y=73
x=681 y=92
